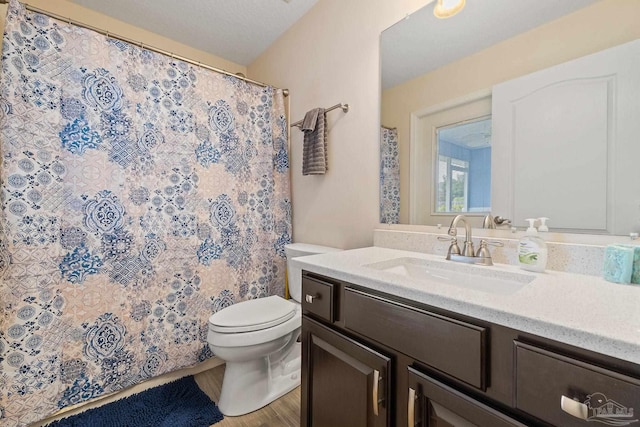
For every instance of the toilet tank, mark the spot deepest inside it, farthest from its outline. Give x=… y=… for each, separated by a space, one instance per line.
x=294 y=275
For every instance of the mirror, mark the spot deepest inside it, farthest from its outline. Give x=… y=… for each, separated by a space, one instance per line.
x=435 y=67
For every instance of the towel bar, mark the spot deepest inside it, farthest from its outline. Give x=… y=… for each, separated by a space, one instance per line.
x=345 y=108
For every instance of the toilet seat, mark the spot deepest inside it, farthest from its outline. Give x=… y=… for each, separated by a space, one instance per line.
x=252 y=315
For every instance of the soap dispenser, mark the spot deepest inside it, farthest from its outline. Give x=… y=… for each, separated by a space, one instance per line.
x=532 y=250
x=543 y=224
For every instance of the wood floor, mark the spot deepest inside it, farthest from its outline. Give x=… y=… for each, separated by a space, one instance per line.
x=284 y=412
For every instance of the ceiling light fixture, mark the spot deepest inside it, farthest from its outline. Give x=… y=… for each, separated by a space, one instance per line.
x=447 y=8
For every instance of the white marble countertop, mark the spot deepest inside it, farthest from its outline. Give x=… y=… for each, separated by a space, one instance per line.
x=580 y=310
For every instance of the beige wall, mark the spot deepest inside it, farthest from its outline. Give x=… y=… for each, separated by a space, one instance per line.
x=98 y=20
x=597 y=27
x=332 y=55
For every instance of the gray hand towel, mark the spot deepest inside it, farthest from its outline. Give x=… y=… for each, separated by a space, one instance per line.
x=314 y=150
x=310 y=119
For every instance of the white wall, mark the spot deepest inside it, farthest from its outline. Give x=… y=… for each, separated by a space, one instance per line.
x=332 y=55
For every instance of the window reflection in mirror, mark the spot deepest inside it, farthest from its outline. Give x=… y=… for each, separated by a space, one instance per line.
x=463 y=167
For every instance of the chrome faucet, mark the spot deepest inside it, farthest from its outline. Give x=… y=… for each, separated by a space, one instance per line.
x=494 y=222
x=467 y=250
x=489 y=222
x=467 y=255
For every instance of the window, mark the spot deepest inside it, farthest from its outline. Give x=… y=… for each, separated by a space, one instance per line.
x=463 y=169
x=453 y=184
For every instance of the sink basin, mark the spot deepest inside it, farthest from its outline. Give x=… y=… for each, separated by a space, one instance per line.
x=455 y=274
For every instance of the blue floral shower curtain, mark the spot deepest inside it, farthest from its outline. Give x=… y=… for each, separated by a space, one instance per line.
x=389 y=177
x=139 y=195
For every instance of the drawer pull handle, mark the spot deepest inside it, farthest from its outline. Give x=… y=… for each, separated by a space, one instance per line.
x=574 y=408
x=309 y=298
x=374 y=393
x=411 y=408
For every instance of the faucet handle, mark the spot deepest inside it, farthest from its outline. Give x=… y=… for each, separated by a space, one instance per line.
x=501 y=221
x=483 y=250
x=454 y=249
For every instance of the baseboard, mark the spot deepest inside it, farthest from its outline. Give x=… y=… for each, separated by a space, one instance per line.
x=112 y=397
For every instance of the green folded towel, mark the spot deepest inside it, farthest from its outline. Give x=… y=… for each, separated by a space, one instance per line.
x=618 y=263
x=635 y=274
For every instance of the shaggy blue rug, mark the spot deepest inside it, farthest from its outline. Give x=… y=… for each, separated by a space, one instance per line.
x=177 y=404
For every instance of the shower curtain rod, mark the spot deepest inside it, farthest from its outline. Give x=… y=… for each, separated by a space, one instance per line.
x=30 y=8
x=345 y=108
x=387 y=127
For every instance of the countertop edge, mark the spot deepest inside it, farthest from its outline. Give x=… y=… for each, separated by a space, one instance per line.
x=572 y=335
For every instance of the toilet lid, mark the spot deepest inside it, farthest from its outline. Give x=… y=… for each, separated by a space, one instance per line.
x=252 y=315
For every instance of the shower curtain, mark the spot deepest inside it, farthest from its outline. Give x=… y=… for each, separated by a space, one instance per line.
x=389 y=177
x=139 y=195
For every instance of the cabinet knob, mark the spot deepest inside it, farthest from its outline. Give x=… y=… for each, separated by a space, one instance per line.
x=309 y=298
x=574 y=408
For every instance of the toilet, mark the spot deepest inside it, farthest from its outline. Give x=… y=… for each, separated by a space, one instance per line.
x=258 y=340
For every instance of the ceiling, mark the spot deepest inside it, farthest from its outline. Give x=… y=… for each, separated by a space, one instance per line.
x=240 y=30
x=422 y=43
x=236 y=30
x=470 y=135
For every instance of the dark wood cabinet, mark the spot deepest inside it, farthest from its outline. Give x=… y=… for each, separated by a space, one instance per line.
x=372 y=359
x=348 y=382
x=571 y=393
x=319 y=298
x=451 y=346
x=432 y=403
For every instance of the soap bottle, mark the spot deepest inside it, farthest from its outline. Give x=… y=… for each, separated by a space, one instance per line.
x=543 y=224
x=532 y=250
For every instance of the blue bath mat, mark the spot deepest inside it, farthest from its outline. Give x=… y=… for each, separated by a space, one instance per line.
x=177 y=404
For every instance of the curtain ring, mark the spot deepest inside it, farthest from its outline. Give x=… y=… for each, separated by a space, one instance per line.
x=69 y=20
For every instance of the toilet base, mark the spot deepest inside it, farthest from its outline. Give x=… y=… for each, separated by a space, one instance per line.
x=251 y=385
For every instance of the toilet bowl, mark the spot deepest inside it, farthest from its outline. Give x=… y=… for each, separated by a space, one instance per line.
x=258 y=340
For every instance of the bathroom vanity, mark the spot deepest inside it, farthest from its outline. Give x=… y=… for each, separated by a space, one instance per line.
x=396 y=338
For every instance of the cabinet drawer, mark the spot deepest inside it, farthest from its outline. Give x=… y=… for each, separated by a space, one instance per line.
x=318 y=298
x=453 y=347
x=591 y=393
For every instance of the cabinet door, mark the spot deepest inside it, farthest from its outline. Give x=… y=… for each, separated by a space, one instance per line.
x=434 y=404
x=345 y=384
